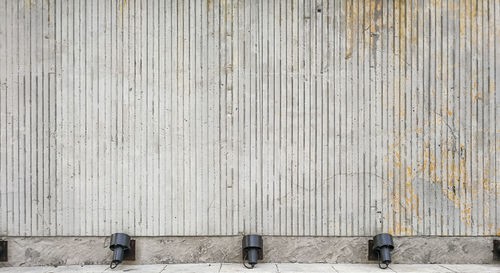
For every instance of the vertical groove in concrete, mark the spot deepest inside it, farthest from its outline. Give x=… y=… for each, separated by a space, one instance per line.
x=218 y=117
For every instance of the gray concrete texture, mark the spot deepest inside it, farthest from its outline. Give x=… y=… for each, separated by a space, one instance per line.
x=165 y=250
x=223 y=117
x=262 y=268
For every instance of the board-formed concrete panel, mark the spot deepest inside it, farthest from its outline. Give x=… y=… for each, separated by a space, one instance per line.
x=223 y=117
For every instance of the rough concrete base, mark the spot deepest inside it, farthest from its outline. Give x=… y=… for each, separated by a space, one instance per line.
x=33 y=251
x=261 y=268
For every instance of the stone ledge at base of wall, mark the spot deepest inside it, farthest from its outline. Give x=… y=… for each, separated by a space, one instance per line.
x=37 y=251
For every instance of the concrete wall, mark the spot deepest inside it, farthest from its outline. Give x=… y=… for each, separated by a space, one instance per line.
x=227 y=249
x=315 y=118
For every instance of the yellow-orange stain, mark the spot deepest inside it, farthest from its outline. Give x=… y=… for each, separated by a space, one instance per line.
x=122 y=6
x=397 y=160
x=352 y=19
x=395 y=199
x=438 y=165
x=223 y=3
x=356 y=26
x=466 y=215
x=398 y=228
x=400 y=7
x=462 y=17
x=486 y=183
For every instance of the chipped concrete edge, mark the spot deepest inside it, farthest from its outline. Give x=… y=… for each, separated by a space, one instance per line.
x=37 y=251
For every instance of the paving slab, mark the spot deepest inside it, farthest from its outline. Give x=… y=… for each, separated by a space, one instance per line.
x=192 y=268
x=79 y=268
x=35 y=269
x=419 y=268
x=296 y=268
x=473 y=268
x=259 y=268
x=147 y=268
x=359 y=268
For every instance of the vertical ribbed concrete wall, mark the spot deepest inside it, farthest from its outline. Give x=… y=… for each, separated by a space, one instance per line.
x=328 y=118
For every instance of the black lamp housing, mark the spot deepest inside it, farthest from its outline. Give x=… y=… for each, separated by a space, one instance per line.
x=120 y=245
x=3 y=251
x=496 y=250
x=252 y=246
x=383 y=245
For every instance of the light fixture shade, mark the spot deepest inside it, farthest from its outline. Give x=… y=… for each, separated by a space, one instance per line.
x=252 y=246
x=120 y=244
x=496 y=250
x=383 y=245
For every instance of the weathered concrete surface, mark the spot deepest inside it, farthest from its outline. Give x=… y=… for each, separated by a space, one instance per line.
x=216 y=118
x=453 y=250
x=166 y=250
x=262 y=268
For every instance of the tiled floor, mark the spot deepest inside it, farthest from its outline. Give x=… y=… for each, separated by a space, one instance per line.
x=262 y=268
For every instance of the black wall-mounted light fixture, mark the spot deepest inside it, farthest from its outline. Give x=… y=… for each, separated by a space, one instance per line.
x=496 y=250
x=120 y=245
x=382 y=246
x=252 y=246
x=3 y=251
